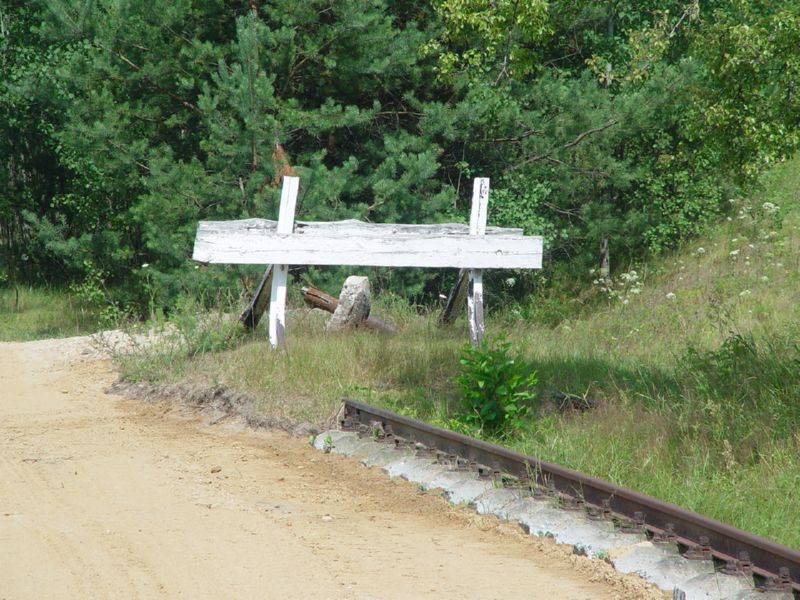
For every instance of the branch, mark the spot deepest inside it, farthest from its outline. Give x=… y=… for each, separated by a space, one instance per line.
x=553 y=61
x=119 y=147
x=564 y=211
x=515 y=138
x=566 y=146
x=555 y=161
x=185 y=103
x=580 y=138
x=397 y=113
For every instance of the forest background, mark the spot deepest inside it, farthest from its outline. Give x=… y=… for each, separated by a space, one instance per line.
x=123 y=123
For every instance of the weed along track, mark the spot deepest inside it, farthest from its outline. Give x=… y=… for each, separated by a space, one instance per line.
x=677 y=549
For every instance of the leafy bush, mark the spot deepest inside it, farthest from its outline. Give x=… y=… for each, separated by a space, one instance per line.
x=497 y=387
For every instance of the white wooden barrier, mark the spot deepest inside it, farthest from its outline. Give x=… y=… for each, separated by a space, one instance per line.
x=257 y=241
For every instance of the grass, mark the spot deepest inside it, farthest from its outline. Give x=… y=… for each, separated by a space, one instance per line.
x=306 y=381
x=30 y=313
x=694 y=359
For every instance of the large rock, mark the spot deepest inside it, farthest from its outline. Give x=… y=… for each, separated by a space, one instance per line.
x=354 y=304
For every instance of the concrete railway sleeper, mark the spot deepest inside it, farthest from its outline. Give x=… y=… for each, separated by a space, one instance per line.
x=498 y=480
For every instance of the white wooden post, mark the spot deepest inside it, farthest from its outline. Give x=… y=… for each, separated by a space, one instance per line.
x=277 y=302
x=477 y=226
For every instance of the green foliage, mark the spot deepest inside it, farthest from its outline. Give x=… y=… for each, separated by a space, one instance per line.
x=123 y=123
x=92 y=293
x=748 y=108
x=497 y=387
x=479 y=34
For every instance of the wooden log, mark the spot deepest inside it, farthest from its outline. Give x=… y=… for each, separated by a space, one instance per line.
x=242 y=246
x=258 y=304
x=477 y=229
x=280 y=270
x=319 y=299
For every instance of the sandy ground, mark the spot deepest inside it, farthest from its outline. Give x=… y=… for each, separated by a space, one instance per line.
x=106 y=497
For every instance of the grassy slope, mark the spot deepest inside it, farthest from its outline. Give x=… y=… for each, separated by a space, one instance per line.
x=34 y=313
x=701 y=432
x=658 y=432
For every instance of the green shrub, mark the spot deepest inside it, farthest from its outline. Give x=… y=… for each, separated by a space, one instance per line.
x=497 y=387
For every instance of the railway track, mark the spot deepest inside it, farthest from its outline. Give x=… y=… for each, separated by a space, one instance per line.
x=774 y=567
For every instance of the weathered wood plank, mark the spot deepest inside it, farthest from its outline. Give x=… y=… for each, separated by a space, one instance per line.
x=477 y=228
x=251 y=315
x=455 y=299
x=457 y=251
x=349 y=227
x=280 y=270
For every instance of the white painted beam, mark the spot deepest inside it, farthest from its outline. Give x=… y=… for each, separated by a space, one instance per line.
x=261 y=247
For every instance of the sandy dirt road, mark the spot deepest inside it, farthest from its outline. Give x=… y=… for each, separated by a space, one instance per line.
x=106 y=497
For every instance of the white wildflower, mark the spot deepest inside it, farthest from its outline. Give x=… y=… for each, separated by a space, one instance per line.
x=734 y=252
x=671 y=296
x=745 y=293
x=701 y=250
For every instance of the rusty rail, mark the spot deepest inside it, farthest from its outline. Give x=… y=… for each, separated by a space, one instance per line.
x=777 y=566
